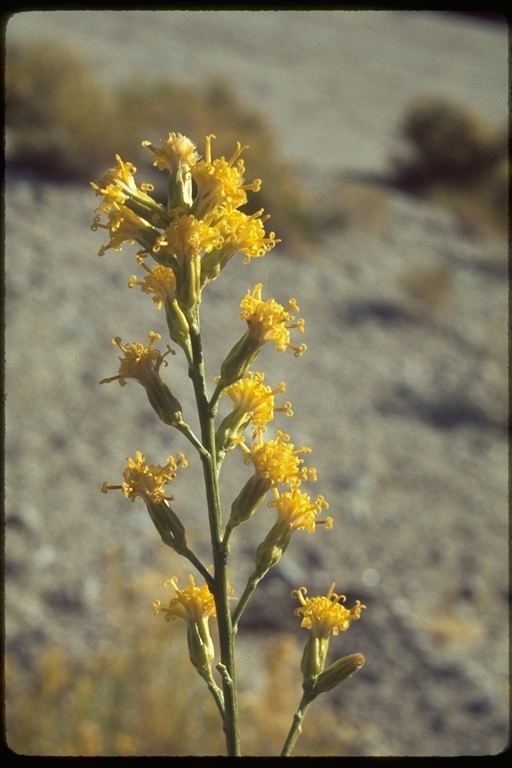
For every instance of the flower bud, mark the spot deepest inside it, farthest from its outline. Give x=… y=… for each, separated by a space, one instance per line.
x=313 y=658
x=163 y=402
x=168 y=525
x=238 y=360
x=200 y=646
x=248 y=500
x=338 y=672
x=272 y=548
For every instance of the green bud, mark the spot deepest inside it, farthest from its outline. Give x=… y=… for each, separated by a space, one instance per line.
x=188 y=281
x=178 y=327
x=168 y=525
x=179 y=189
x=272 y=548
x=248 y=500
x=230 y=429
x=214 y=262
x=238 y=360
x=338 y=672
x=313 y=659
x=163 y=402
x=200 y=646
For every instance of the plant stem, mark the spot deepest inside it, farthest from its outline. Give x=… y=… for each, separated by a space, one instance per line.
x=296 y=727
x=221 y=587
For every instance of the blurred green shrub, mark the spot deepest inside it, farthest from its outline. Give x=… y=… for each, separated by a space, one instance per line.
x=458 y=158
x=63 y=124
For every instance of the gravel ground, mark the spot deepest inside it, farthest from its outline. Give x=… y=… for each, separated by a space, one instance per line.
x=404 y=402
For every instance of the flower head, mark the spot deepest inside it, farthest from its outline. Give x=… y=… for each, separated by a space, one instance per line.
x=256 y=400
x=245 y=234
x=324 y=615
x=296 y=509
x=187 y=237
x=277 y=461
x=190 y=604
x=269 y=321
x=147 y=480
x=221 y=182
x=125 y=226
x=140 y=362
x=160 y=283
x=176 y=152
x=118 y=184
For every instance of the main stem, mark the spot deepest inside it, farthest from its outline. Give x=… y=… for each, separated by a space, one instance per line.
x=220 y=553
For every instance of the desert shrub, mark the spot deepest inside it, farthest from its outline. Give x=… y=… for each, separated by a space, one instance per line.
x=457 y=157
x=58 y=116
x=64 y=124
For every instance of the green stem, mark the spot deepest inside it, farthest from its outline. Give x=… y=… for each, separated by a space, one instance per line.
x=186 y=552
x=244 y=599
x=221 y=588
x=296 y=727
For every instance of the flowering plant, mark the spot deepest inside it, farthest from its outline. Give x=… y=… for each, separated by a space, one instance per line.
x=188 y=243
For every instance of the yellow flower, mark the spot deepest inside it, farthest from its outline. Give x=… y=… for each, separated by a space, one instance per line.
x=187 y=237
x=190 y=604
x=296 y=509
x=139 y=362
x=324 y=615
x=194 y=605
x=160 y=283
x=276 y=461
x=245 y=234
x=125 y=226
x=118 y=184
x=269 y=321
x=256 y=400
x=220 y=182
x=176 y=152
x=147 y=480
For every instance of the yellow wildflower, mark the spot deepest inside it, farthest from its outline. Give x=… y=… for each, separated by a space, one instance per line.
x=125 y=226
x=245 y=234
x=176 y=152
x=147 y=480
x=269 y=321
x=118 y=184
x=190 y=604
x=256 y=400
x=220 y=182
x=296 y=509
x=140 y=362
x=187 y=237
x=276 y=461
x=324 y=615
x=194 y=605
x=160 y=283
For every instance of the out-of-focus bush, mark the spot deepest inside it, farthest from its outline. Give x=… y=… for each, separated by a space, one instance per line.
x=458 y=158
x=64 y=124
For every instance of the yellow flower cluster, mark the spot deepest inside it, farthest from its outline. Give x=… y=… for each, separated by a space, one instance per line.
x=296 y=509
x=190 y=604
x=255 y=400
x=269 y=321
x=140 y=362
x=147 y=480
x=277 y=461
x=324 y=615
x=201 y=223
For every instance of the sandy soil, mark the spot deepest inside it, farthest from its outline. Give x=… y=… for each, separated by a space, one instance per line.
x=405 y=405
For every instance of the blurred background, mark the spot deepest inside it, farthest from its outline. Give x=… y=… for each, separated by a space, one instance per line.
x=382 y=142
